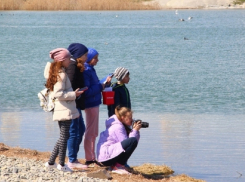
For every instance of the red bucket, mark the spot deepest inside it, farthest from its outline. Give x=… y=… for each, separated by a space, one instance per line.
x=108 y=97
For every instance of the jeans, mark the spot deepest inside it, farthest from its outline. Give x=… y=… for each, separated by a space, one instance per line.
x=129 y=145
x=76 y=131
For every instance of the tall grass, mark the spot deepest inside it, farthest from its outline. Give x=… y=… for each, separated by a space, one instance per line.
x=239 y=1
x=76 y=5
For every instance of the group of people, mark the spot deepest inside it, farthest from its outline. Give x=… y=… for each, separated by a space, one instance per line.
x=72 y=69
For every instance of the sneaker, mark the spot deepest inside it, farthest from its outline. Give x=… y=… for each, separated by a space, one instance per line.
x=90 y=164
x=119 y=169
x=127 y=166
x=47 y=165
x=99 y=164
x=76 y=165
x=64 y=168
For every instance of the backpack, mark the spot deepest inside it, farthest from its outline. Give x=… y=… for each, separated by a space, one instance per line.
x=46 y=101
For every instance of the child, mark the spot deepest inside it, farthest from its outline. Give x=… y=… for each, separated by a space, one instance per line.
x=65 y=107
x=122 y=96
x=118 y=141
x=75 y=73
x=92 y=103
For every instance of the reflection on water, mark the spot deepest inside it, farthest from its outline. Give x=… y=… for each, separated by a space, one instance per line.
x=209 y=147
x=51 y=131
x=10 y=127
x=206 y=146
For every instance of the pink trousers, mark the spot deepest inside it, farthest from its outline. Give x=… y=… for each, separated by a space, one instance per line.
x=91 y=132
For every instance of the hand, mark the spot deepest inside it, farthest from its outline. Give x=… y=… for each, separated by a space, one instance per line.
x=108 y=79
x=78 y=92
x=103 y=86
x=137 y=125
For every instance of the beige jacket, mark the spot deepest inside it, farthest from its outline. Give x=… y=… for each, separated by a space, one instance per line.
x=65 y=105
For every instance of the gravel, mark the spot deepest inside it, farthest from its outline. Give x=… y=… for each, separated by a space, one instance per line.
x=24 y=169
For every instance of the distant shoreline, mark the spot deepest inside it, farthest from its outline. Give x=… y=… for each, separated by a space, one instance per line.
x=207 y=8
x=113 y=5
x=200 y=4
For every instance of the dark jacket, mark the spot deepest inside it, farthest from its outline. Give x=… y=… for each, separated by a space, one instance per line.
x=93 y=94
x=77 y=81
x=121 y=98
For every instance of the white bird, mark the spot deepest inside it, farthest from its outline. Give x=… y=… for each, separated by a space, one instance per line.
x=189 y=18
x=176 y=12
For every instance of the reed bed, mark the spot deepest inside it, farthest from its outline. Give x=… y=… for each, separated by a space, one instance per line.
x=57 y=5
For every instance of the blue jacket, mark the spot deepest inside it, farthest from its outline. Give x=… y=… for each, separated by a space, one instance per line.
x=91 y=80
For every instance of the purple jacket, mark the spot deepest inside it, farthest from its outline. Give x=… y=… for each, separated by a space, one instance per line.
x=109 y=145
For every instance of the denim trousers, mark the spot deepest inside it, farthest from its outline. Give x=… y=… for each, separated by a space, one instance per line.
x=76 y=131
x=129 y=145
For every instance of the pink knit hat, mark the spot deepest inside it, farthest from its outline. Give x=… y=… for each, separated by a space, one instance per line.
x=59 y=54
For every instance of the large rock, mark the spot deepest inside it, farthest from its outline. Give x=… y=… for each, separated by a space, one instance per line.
x=102 y=174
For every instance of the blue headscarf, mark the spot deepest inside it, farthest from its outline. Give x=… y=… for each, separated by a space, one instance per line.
x=91 y=53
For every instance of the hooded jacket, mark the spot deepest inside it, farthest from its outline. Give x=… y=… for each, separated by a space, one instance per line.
x=65 y=105
x=109 y=145
x=91 y=80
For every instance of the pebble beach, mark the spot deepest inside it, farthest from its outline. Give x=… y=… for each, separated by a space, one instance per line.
x=24 y=169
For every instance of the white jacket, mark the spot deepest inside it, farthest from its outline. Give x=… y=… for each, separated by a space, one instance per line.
x=65 y=105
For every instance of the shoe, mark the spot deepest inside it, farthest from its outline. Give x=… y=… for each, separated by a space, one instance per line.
x=47 y=165
x=64 y=168
x=99 y=164
x=93 y=162
x=90 y=164
x=119 y=169
x=127 y=166
x=77 y=165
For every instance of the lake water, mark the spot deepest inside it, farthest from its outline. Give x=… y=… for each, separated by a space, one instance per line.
x=187 y=81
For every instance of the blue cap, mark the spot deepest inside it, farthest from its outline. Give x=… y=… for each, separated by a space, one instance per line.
x=77 y=50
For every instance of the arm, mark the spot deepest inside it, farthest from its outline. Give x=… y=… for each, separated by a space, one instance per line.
x=119 y=132
x=134 y=133
x=70 y=71
x=117 y=100
x=92 y=89
x=59 y=89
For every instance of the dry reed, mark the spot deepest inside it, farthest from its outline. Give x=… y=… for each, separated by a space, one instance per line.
x=76 y=5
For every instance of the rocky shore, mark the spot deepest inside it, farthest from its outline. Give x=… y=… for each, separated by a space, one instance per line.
x=21 y=170
x=22 y=165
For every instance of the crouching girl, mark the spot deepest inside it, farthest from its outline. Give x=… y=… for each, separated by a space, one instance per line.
x=118 y=141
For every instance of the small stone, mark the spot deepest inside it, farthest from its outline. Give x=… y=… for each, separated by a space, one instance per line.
x=102 y=174
x=15 y=170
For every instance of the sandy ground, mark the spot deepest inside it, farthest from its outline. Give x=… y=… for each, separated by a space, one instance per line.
x=196 y=4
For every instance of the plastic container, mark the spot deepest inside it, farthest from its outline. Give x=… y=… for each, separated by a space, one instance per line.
x=108 y=97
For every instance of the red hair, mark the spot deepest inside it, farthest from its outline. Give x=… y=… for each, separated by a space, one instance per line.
x=54 y=70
